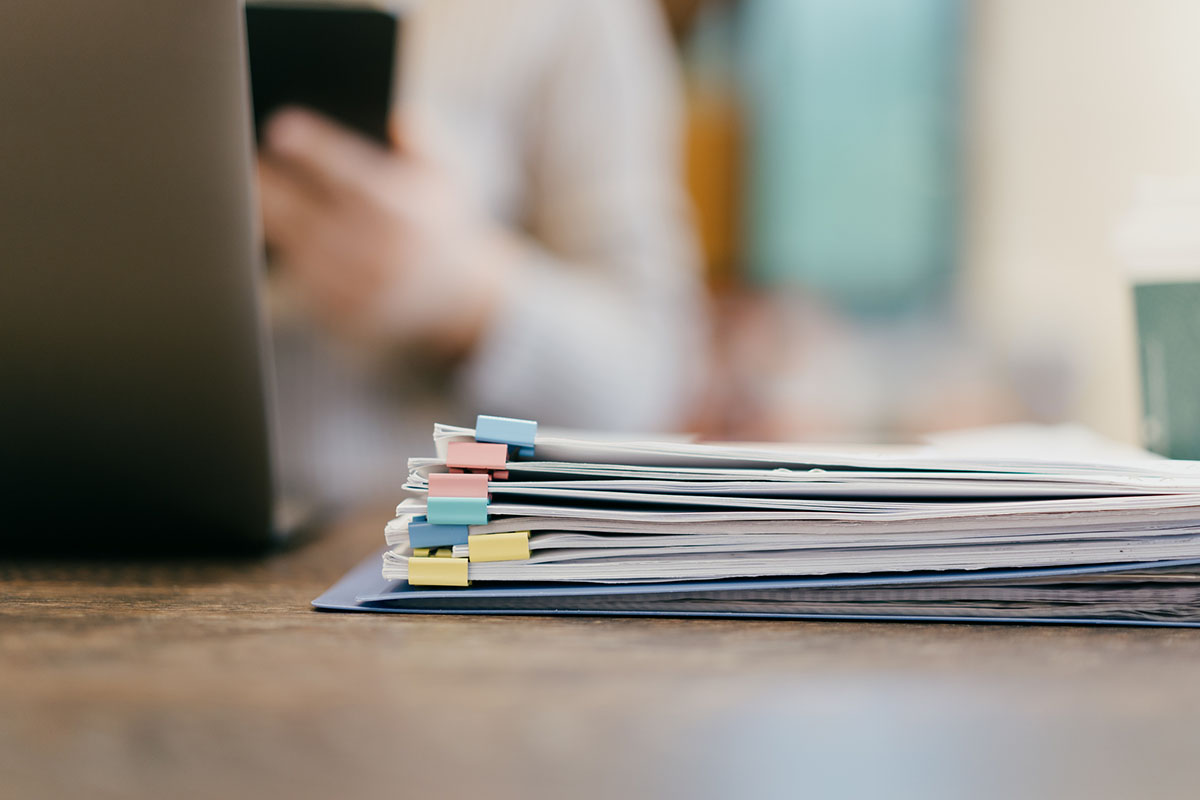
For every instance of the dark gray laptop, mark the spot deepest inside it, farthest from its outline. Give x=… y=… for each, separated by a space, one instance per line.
x=134 y=389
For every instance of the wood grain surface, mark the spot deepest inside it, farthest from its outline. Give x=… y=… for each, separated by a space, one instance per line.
x=182 y=679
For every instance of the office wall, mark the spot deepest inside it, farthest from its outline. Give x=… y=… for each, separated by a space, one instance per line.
x=1069 y=101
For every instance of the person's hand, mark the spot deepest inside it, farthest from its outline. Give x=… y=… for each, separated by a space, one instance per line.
x=383 y=246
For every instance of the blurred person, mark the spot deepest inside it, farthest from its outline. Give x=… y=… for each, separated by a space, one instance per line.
x=523 y=249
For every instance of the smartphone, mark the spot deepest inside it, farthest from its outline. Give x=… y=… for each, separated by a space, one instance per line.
x=339 y=61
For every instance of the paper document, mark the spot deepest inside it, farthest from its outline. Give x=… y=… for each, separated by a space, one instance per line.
x=1015 y=524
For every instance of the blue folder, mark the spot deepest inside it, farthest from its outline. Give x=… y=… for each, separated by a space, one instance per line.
x=364 y=589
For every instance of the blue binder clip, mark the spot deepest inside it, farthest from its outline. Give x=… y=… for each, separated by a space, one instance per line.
x=516 y=433
x=423 y=533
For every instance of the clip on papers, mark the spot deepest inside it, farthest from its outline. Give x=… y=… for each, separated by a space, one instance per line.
x=499 y=546
x=457 y=510
x=424 y=534
x=461 y=484
x=478 y=457
x=437 y=571
x=459 y=498
x=516 y=433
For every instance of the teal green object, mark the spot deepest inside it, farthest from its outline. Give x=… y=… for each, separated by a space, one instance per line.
x=854 y=114
x=457 y=510
x=1168 y=324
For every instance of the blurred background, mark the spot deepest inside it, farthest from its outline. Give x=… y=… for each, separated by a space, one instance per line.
x=907 y=207
x=905 y=213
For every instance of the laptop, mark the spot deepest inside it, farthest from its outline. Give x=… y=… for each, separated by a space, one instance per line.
x=135 y=378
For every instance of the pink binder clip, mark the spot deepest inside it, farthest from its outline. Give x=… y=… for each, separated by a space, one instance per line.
x=447 y=484
x=478 y=457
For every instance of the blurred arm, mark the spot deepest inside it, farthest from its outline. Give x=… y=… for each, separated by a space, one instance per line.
x=601 y=320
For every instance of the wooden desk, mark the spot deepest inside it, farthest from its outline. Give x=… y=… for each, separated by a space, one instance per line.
x=214 y=679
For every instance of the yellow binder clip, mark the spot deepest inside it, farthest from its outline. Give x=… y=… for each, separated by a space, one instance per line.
x=436 y=571
x=498 y=546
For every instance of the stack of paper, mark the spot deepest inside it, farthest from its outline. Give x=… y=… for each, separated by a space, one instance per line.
x=1034 y=524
